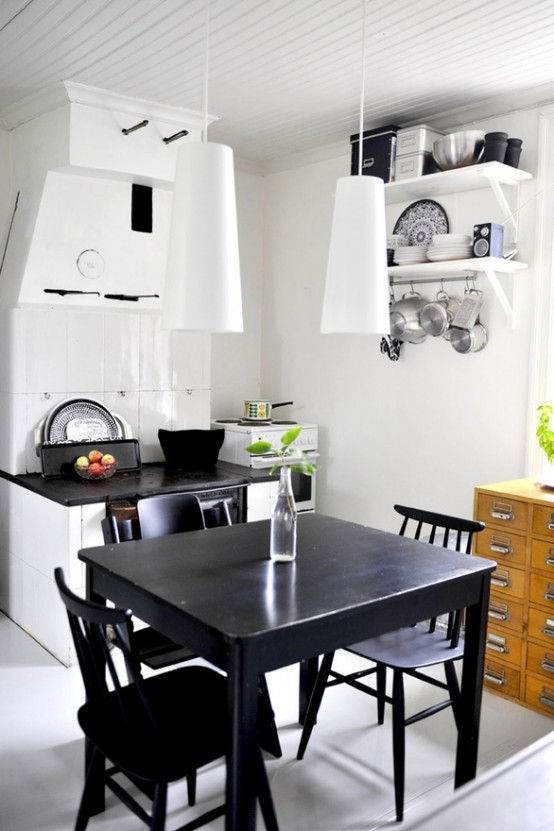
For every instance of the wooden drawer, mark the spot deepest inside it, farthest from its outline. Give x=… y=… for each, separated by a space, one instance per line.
x=505 y=613
x=540 y=661
x=543 y=520
x=509 y=582
x=541 y=627
x=502 y=512
x=501 y=678
x=541 y=590
x=542 y=556
x=505 y=548
x=540 y=695
x=504 y=646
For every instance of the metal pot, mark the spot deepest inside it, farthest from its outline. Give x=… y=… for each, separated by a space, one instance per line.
x=261 y=410
x=436 y=317
x=469 y=340
x=405 y=323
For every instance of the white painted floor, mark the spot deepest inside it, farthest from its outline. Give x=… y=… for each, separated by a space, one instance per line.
x=343 y=784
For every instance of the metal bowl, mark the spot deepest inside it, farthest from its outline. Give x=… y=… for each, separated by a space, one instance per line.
x=459 y=149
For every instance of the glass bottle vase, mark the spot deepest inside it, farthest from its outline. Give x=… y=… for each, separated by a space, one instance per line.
x=282 y=546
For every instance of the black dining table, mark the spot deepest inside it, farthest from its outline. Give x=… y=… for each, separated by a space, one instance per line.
x=218 y=593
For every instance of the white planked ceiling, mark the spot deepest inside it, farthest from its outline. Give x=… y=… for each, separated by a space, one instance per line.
x=284 y=75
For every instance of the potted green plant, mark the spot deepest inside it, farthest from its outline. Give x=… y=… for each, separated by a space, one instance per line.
x=282 y=546
x=545 y=435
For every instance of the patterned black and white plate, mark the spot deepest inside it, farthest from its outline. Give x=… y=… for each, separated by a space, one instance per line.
x=421 y=221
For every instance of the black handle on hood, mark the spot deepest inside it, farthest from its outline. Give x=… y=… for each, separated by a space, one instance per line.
x=63 y=292
x=134 y=297
x=281 y=404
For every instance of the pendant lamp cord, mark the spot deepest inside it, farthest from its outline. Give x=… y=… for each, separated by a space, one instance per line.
x=362 y=92
x=206 y=60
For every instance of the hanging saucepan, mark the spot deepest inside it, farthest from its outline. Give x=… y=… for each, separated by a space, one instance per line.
x=405 y=323
x=261 y=410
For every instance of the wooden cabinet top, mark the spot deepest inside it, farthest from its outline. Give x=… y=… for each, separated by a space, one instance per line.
x=526 y=489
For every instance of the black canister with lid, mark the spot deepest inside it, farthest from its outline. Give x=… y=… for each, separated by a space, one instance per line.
x=496 y=145
x=513 y=152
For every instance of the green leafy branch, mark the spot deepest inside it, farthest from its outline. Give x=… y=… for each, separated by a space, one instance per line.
x=545 y=434
x=288 y=455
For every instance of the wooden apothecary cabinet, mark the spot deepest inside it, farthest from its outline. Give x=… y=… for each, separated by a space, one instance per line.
x=519 y=535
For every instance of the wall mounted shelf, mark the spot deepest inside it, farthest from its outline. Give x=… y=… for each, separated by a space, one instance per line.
x=493 y=175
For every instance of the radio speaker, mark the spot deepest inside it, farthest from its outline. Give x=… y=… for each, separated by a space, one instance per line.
x=488 y=240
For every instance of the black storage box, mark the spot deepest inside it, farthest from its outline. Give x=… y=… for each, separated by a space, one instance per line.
x=379 y=152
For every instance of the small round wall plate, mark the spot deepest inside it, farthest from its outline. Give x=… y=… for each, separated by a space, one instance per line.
x=91 y=263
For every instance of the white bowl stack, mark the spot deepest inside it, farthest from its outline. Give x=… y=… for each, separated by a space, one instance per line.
x=450 y=247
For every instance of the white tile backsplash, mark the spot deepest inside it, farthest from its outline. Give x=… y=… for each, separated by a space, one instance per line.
x=122 y=352
x=52 y=355
x=46 y=349
x=85 y=352
x=155 y=354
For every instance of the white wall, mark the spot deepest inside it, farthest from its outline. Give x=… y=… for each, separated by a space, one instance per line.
x=424 y=430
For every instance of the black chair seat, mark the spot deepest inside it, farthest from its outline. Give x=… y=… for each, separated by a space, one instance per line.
x=180 y=742
x=410 y=647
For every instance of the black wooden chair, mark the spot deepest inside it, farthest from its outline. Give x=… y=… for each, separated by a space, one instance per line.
x=405 y=651
x=159 y=516
x=155 y=731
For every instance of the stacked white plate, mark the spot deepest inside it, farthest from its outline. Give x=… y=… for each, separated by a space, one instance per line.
x=450 y=247
x=410 y=254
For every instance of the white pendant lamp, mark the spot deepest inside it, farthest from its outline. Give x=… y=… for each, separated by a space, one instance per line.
x=202 y=286
x=356 y=298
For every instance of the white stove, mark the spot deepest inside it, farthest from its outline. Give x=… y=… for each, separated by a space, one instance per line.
x=239 y=434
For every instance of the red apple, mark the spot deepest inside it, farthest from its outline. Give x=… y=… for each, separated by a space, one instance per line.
x=95 y=456
x=96 y=469
x=107 y=459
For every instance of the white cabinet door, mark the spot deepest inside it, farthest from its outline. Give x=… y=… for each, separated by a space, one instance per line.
x=261 y=497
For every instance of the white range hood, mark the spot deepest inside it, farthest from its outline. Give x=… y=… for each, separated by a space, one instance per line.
x=77 y=182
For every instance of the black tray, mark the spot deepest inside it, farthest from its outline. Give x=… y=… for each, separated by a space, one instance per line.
x=57 y=459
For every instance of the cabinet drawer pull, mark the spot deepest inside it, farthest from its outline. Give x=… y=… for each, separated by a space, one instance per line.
x=494 y=679
x=548 y=596
x=547 y=700
x=502 y=616
x=547 y=665
x=546 y=630
x=550 y=526
x=504 y=516
x=549 y=561
x=497 y=648
x=500 y=545
x=503 y=582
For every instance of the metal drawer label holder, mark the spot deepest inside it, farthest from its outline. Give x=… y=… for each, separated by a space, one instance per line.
x=548 y=630
x=503 y=511
x=499 y=611
x=547 y=662
x=501 y=578
x=502 y=545
x=546 y=697
x=497 y=643
x=495 y=676
x=549 y=593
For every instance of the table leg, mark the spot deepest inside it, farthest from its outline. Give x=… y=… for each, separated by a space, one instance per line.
x=472 y=687
x=242 y=704
x=308 y=675
x=97 y=790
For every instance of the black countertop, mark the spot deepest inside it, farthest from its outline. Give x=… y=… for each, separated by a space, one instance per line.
x=149 y=480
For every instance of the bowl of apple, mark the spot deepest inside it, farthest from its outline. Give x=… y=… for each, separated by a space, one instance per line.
x=95 y=466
